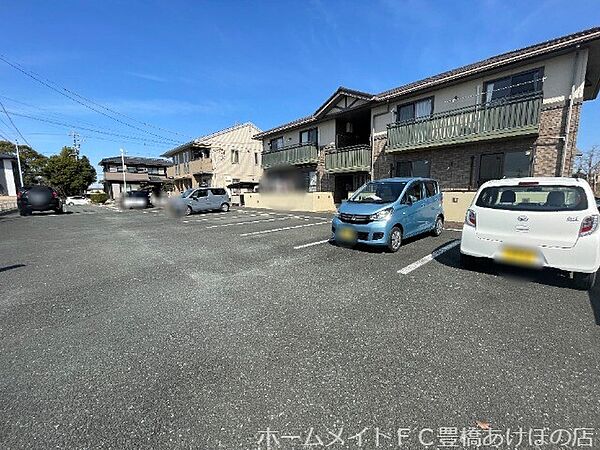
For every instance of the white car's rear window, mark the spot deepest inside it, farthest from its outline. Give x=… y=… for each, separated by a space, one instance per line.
x=533 y=198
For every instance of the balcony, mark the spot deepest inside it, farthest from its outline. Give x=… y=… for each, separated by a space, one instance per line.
x=294 y=155
x=513 y=117
x=356 y=158
x=186 y=170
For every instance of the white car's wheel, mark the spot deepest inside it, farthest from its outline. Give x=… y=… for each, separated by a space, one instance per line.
x=584 y=281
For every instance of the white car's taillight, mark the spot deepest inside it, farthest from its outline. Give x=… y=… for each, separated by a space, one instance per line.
x=471 y=218
x=588 y=225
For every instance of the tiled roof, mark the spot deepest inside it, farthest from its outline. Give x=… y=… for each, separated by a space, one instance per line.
x=137 y=161
x=495 y=61
x=504 y=59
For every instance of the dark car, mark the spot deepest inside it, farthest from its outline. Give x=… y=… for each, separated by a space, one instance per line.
x=38 y=198
x=136 y=199
x=598 y=202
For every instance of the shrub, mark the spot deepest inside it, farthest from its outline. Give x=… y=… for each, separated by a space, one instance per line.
x=99 y=197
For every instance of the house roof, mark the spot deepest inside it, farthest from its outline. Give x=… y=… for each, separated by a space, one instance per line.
x=137 y=161
x=503 y=59
x=210 y=139
x=495 y=62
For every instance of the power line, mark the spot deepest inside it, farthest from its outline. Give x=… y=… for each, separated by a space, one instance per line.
x=89 y=129
x=70 y=95
x=13 y=124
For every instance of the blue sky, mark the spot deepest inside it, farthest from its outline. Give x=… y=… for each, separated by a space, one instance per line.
x=195 y=67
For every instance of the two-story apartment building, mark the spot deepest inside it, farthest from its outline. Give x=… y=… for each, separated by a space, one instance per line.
x=512 y=115
x=219 y=159
x=136 y=173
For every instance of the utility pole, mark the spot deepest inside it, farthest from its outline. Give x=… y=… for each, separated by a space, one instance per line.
x=124 y=169
x=19 y=162
x=76 y=143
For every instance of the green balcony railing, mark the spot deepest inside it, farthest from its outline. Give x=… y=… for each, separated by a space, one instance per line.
x=356 y=158
x=513 y=117
x=290 y=156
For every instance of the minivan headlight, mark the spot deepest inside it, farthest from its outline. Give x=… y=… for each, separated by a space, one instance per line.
x=384 y=214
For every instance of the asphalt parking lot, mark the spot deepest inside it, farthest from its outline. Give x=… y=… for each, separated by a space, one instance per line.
x=135 y=329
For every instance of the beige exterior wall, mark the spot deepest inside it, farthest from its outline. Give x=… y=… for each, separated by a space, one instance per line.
x=301 y=201
x=222 y=144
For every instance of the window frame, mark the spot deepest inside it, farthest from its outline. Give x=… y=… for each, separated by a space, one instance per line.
x=503 y=164
x=414 y=108
x=308 y=130
x=273 y=140
x=235 y=156
x=540 y=74
x=412 y=171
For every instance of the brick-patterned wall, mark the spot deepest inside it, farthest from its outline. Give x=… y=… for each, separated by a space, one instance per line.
x=324 y=180
x=454 y=167
x=457 y=167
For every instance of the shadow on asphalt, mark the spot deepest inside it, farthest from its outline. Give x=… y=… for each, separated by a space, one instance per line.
x=594 y=295
x=548 y=277
x=14 y=266
x=380 y=248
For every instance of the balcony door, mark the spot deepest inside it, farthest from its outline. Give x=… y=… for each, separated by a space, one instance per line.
x=504 y=165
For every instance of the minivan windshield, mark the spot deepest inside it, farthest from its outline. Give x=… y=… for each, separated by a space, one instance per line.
x=187 y=193
x=533 y=198
x=378 y=192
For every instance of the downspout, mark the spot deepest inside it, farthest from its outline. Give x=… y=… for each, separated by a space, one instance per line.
x=565 y=149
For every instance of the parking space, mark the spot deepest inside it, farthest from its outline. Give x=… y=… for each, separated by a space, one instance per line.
x=199 y=331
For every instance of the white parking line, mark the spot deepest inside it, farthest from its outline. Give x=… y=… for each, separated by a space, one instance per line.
x=421 y=262
x=231 y=224
x=274 y=230
x=311 y=244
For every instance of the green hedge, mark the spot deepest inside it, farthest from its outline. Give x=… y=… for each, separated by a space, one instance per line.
x=100 y=197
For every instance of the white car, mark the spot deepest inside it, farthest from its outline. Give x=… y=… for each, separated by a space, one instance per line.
x=77 y=200
x=535 y=222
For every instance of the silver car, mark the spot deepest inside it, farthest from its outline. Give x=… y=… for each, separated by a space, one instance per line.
x=205 y=199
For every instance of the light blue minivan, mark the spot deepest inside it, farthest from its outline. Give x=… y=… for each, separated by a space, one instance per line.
x=384 y=212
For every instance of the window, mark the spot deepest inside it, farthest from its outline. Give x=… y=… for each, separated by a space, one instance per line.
x=308 y=136
x=131 y=169
x=415 y=191
x=504 y=165
x=276 y=144
x=518 y=84
x=200 y=193
x=112 y=169
x=218 y=191
x=533 y=198
x=416 y=110
x=420 y=168
x=235 y=156
x=378 y=192
x=256 y=159
x=431 y=188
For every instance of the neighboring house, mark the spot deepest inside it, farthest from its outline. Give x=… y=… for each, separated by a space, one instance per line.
x=140 y=173
x=218 y=159
x=9 y=175
x=512 y=115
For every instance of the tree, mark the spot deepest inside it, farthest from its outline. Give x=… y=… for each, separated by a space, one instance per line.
x=588 y=166
x=32 y=162
x=69 y=174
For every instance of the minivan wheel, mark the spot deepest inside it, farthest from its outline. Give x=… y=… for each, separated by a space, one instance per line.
x=438 y=227
x=188 y=210
x=584 y=281
x=225 y=207
x=394 y=239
